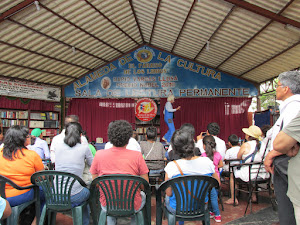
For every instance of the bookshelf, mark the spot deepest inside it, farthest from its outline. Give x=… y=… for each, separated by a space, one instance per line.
x=45 y=120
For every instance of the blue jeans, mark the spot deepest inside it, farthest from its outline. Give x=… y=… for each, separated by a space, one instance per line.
x=113 y=220
x=173 y=211
x=79 y=198
x=26 y=197
x=171 y=127
x=214 y=202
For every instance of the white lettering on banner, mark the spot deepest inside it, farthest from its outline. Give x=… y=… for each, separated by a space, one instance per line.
x=93 y=76
x=198 y=68
x=209 y=92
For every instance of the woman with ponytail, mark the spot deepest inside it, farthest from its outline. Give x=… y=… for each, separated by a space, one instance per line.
x=70 y=156
x=209 y=145
x=188 y=164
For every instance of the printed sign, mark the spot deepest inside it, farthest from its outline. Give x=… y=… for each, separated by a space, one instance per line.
x=28 y=90
x=145 y=109
x=150 y=73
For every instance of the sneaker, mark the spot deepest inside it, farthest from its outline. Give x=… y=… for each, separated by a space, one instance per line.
x=211 y=215
x=217 y=219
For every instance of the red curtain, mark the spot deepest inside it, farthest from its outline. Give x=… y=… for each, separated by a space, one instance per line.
x=96 y=114
x=26 y=104
x=230 y=113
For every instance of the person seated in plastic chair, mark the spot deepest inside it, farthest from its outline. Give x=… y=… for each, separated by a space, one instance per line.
x=153 y=150
x=5 y=209
x=70 y=156
x=183 y=145
x=119 y=160
x=17 y=161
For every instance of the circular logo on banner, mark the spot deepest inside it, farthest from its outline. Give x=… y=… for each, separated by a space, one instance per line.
x=145 y=109
x=144 y=55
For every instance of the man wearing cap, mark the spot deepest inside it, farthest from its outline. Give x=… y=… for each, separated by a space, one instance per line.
x=38 y=145
x=288 y=90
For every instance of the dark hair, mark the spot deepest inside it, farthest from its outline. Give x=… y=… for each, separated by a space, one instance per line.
x=32 y=139
x=70 y=119
x=73 y=134
x=210 y=146
x=255 y=139
x=183 y=144
x=84 y=134
x=151 y=133
x=213 y=128
x=264 y=129
x=189 y=128
x=14 y=141
x=119 y=132
x=233 y=139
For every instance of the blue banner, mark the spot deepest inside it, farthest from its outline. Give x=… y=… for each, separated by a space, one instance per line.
x=148 y=72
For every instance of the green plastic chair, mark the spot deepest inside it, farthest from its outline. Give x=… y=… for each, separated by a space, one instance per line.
x=119 y=191
x=57 y=188
x=191 y=193
x=13 y=219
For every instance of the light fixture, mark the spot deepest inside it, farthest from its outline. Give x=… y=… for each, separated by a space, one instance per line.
x=207 y=45
x=73 y=49
x=37 y=5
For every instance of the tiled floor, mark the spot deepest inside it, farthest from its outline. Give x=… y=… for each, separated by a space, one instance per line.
x=229 y=214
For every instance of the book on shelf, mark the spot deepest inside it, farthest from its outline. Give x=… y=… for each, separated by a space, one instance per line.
x=9 y=122
x=36 y=124
x=14 y=114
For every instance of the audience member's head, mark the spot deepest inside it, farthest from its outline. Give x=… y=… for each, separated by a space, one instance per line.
x=189 y=128
x=151 y=133
x=233 y=140
x=209 y=145
x=291 y=79
x=16 y=138
x=119 y=133
x=264 y=129
x=73 y=134
x=213 y=129
x=183 y=144
x=135 y=134
x=71 y=118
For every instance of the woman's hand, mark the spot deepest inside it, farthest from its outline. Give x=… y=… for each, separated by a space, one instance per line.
x=178 y=108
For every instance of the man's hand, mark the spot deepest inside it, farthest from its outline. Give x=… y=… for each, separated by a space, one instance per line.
x=293 y=151
x=269 y=163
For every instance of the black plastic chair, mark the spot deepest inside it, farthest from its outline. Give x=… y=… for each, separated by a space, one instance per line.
x=13 y=219
x=57 y=188
x=119 y=191
x=191 y=193
x=255 y=184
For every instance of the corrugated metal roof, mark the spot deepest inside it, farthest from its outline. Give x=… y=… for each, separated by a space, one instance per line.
x=66 y=39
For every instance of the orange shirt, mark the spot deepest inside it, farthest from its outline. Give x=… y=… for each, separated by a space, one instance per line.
x=20 y=170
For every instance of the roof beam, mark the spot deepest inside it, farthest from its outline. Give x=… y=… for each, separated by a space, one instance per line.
x=35 y=69
x=263 y=12
x=280 y=53
x=79 y=28
x=254 y=36
x=155 y=19
x=214 y=33
x=97 y=10
x=137 y=21
x=46 y=56
x=183 y=25
x=30 y=81
x=54 y=39
x=15 y=9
